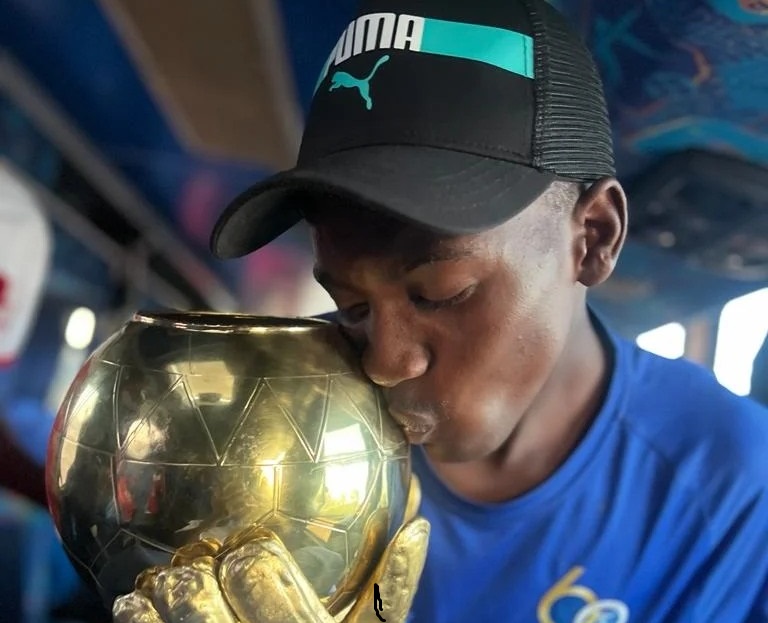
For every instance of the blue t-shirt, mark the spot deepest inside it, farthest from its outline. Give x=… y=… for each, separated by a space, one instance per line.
x=660 y=514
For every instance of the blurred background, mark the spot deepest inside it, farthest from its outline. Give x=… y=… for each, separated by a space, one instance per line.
x=127 y=125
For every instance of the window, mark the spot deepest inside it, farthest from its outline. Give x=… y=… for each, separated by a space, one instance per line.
x=667 y=340
x=742 y=328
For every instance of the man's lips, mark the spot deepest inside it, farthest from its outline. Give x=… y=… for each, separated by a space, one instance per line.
x=415 y=423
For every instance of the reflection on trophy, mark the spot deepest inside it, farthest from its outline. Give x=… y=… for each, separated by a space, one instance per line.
x=183 y=426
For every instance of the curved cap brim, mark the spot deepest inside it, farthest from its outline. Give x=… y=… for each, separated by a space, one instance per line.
x=440 y=189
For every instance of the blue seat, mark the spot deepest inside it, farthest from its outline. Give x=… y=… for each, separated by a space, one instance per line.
x=37 y=576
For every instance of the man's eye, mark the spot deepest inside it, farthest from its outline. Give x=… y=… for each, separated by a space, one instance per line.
x=428 y=303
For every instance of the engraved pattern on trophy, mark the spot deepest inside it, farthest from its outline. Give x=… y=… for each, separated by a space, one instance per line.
x=182 y=427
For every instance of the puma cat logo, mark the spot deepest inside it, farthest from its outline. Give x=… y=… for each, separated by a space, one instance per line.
x=343 y=79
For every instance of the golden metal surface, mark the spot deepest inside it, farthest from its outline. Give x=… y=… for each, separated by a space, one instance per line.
x=185 y=426
x=252 y=578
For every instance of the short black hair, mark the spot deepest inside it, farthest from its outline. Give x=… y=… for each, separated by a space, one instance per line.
x=562 y=196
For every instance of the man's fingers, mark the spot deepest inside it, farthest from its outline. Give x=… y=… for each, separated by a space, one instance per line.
x=259 y=581
x=190 y=594
x=187 y=553
x=263 y=583
x=397 y=577
x=134 y=608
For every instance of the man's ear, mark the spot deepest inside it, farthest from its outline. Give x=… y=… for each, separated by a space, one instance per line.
x=600 y=220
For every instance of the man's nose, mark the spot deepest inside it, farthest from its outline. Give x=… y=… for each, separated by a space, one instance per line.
x=393 y=353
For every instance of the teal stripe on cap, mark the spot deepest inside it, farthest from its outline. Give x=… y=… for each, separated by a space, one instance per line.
x=506 y=49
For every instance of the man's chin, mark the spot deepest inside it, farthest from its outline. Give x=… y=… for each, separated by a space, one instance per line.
x=440 y=453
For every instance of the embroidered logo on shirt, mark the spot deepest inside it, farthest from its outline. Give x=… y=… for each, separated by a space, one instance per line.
x=568 y=602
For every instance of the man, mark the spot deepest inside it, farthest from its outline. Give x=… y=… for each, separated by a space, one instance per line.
x=457 y=173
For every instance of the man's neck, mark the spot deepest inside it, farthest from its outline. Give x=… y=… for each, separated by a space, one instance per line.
x=550 y=429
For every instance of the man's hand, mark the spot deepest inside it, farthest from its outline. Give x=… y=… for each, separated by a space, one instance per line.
x=252 y=578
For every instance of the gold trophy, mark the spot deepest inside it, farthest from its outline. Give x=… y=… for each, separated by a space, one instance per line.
x=187 y=426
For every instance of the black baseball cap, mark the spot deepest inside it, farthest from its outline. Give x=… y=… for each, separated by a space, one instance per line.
x=454 y=114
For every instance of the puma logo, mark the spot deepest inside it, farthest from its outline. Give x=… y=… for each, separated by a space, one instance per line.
x=348 y=81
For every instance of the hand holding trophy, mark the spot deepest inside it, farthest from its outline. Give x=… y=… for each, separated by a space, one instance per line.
x=253 y=578
x=215 y=467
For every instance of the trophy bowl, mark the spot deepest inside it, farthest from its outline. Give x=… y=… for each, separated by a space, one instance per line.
x=187 y=425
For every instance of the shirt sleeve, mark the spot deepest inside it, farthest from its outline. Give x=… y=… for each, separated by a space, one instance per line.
x=733 y=585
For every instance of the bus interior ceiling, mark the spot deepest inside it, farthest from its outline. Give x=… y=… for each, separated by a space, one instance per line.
x=133 y=122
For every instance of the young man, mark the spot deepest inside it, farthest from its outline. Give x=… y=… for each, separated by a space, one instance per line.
x=457 y=173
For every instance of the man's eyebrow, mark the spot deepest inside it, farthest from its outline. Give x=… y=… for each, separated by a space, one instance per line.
x=432 y=256
x=328 y=281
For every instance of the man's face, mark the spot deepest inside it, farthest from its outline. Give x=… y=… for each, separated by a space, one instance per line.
x=462 y=332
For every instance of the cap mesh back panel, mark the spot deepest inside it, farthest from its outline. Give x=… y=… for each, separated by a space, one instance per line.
x=572 y=134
